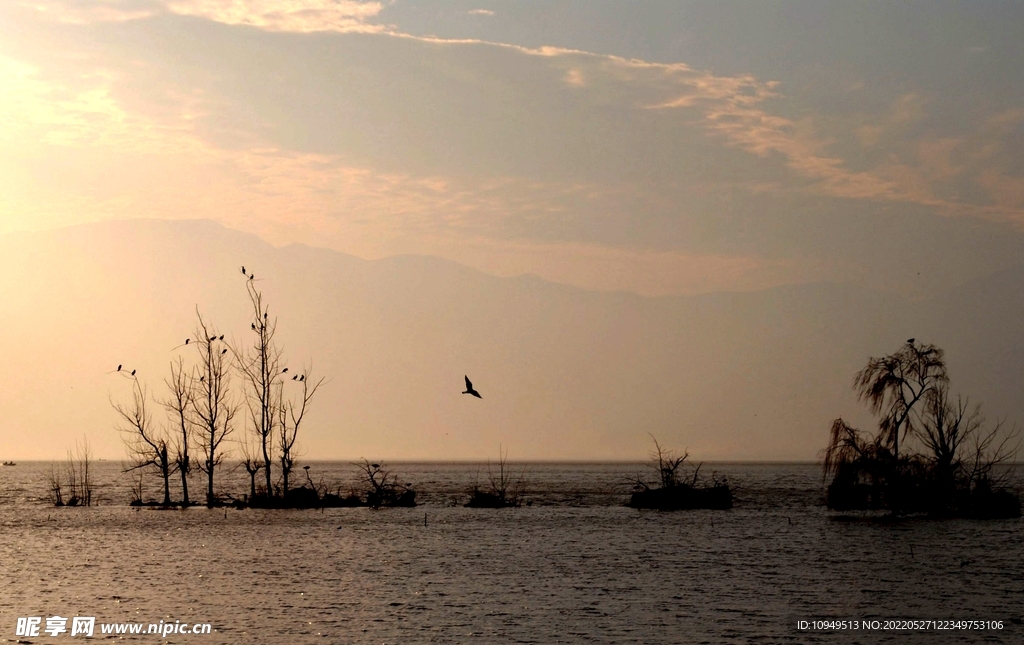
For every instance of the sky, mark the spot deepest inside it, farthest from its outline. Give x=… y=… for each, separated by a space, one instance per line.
x=659 y=147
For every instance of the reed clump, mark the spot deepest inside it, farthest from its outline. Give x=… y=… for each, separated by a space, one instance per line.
x=673 y=492
x=505 y=490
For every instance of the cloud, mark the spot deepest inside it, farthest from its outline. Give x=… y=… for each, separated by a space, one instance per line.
x=83 y=12
x=574 y=77
x=480 y=12
x=296 y=16
x=300 y=16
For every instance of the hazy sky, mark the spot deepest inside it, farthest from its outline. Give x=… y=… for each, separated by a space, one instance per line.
x=656 y=147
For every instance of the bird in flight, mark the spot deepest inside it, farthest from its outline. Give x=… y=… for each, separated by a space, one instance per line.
x=470 y=390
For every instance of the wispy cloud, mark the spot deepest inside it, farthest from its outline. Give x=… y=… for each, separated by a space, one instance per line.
x=302 y=16
x=480 y=12
x=297 y=16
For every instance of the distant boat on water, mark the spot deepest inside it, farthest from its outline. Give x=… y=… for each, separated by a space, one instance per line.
x=10 y=463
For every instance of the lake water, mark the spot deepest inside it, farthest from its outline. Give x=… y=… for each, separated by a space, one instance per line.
x=576 y=566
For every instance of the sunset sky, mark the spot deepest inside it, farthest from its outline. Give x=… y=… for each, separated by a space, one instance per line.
x=655 y=147
x=859 y=161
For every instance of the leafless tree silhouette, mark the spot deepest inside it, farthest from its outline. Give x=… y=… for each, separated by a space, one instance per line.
x=146 y=443
x=211 y=403
x=260 y=366
x=385 y=488
x=250 y=462
x=292 y=413
x=181 y=389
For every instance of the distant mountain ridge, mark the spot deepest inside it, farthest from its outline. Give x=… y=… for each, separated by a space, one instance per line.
x=565 y=373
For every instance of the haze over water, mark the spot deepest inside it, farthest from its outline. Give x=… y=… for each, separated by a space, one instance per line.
x=575 y=566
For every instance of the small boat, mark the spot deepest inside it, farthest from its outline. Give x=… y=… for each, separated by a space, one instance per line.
x=10 y=463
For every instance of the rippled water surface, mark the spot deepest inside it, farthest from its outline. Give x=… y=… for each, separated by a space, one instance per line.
x=573 y=567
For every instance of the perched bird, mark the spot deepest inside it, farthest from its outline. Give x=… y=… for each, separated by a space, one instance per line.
x=224 y=351
x=118 y=368
x=133 y=372
x=254 y=326
x=470 y=390
x=284 y=370
x=910 y=341
x=221 y=337
x=202 y=378
x=251 y=276
x=375 y=465
x=295 y=378
x=243 y=270
x=213 y=338
x=302 y=378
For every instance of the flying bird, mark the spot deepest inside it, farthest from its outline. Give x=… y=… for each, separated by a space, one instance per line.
x=470 y=390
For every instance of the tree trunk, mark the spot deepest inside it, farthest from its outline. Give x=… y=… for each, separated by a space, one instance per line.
x=209 y=484
x=184 y=486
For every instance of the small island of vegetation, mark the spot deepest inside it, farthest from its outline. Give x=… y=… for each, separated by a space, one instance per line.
x=671 y=492
x=952 y=463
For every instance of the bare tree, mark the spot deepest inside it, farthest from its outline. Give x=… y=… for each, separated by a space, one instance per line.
x=990 y=449
x=211 y=402
x=893 y=385
x=55 y=484
x=250 y=462
x=385 y=489
x=292 y=413
x=945 y=430
x=260 y=366
x=145 y=443
x=181 y=388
